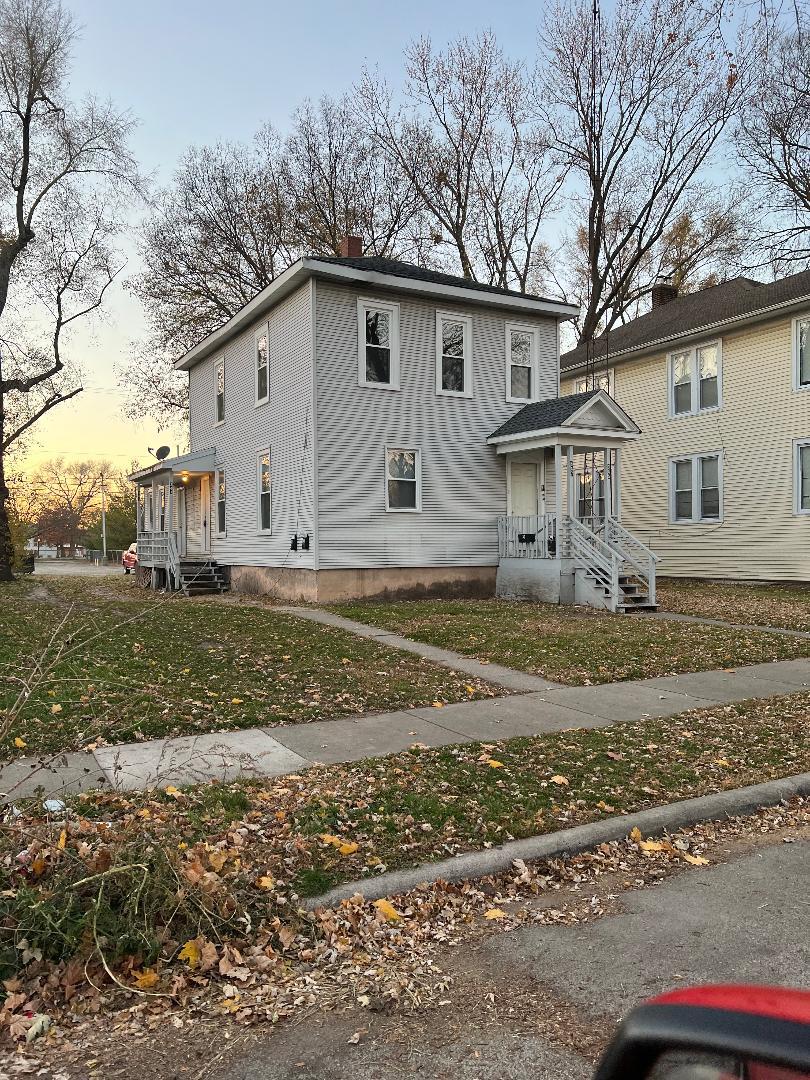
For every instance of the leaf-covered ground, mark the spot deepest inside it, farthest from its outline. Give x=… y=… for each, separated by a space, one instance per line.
x=782 y=606
x=131 y=665
x=196 y=893
x=576 y=646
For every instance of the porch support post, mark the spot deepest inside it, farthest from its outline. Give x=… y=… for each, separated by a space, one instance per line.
x=558 y=499
x=617 y=484
x=569 y=453
x=607 y=468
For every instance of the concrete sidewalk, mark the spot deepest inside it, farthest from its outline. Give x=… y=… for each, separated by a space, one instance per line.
x=275 y=751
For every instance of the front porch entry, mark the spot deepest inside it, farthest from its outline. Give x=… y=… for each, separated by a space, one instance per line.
x=561 y=539
x=174 y=523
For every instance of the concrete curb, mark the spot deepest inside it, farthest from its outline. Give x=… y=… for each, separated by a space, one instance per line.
x=658 y=819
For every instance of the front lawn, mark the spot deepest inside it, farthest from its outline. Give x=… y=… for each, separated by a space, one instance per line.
x=783 y=606
x=576 y=646
x=167 y=887
x=131 y=665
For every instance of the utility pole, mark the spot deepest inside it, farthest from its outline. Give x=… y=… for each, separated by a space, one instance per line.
x=103 y=521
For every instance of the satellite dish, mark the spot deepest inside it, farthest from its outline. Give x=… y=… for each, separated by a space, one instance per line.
x=162 y=452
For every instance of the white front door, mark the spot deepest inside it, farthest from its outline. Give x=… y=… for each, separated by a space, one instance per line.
x=524 y=488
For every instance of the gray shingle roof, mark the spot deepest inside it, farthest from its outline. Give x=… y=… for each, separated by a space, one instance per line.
x=397 y=268
x=540 y=415
x=734 y=299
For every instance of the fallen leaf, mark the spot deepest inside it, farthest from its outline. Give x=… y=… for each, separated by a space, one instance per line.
x=635 y=833
x=695 y=860
x=348 y=849
x=561 y=781
x=266 y=882
x=62 y=840
x=495 y=764
x=171 y=790
x=190 y=953
x=146 y=979
x=387 y=910
x=20 y=743
x=56 y=709
x=651 y=845
x=495 y=913
x=236 y=701
x=438 y=704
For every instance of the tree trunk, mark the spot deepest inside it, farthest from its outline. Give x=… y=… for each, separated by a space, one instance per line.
x=6 y=545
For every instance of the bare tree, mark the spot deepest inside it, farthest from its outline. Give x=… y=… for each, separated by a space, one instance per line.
x=64 y=496
x=340 y=185
x=774 y=143
x=462 y=141
x=59 y=164
x=636 y=102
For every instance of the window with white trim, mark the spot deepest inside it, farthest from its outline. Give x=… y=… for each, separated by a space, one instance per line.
x=262 y=378
x=403 y=480
x=695 y=379
x=802 y=472
x=378 y=341
x=219 y=392
x=801 y=354
x=263 y=491
x=521 y=363
x=453 y=354
x=696 y=489
x=221 y=502
x=602 y=381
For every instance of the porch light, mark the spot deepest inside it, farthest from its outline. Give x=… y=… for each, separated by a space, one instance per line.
x=184 y=477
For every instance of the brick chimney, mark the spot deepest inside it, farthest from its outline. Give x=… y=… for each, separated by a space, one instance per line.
x=351 y=247
x=663 y=291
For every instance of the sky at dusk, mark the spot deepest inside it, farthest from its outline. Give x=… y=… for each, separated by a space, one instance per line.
x=194 y=73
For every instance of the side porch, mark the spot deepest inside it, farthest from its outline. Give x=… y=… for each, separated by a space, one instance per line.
x=561 y=539
x=176 y=503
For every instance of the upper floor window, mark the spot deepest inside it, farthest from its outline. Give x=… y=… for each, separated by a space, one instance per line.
x=521 y=363
x=801 y=353
x=219 y=392
x=601 y=381
x=802 y=472
x=695 y=378
x=453 y=354
x=221 y=502
x=403 y=480
x=696 y=488
x=264 y=495
x=378 y=339
x=262 y=381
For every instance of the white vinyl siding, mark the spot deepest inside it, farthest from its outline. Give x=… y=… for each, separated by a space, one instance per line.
x=802 y=475
x=521 y=363
x=695 y=379
x=378 y=344
x=463 y=487
x=262 y=366
x=219 y=392
x=453 y=354
x=285 y=424
x=801 y=353
x=264 y=492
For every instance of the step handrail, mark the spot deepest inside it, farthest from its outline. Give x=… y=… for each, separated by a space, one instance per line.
x=590 y=552
x=173 y=558
x=633 y=551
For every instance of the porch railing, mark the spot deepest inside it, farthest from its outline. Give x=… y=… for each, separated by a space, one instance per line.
x=527 y=536
x=153 y=548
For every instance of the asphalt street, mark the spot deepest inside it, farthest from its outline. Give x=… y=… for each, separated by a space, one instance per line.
x=745 y=920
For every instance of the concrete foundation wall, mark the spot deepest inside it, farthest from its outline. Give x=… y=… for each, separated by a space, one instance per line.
x=586 y=593
x=550 y=581
x=328 y=586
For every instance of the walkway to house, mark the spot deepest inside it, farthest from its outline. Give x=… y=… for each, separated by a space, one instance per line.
x=274 y=751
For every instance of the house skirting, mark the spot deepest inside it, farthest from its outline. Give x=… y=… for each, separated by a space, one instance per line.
x=551 y=581
x=395 y=583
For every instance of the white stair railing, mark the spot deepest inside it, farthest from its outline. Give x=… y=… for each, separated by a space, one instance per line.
x=594 y=555
x=173 y=555
x=635 y=554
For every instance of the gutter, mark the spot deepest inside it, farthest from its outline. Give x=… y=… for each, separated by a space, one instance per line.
x=739 y=321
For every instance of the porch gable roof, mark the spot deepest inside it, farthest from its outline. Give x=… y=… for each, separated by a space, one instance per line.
x=572 y=411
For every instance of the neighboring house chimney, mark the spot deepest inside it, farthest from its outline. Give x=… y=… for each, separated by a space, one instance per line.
x=663 y=291
x=351 y=247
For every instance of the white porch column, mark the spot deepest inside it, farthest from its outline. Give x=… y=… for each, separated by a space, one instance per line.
x=558 y=500
x=569 y=455
x=607 y=469
x=617 y=484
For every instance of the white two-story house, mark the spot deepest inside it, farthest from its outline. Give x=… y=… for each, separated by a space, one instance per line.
x=367 y=427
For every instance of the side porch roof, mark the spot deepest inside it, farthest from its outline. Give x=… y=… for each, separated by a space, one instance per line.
x=200 y=461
